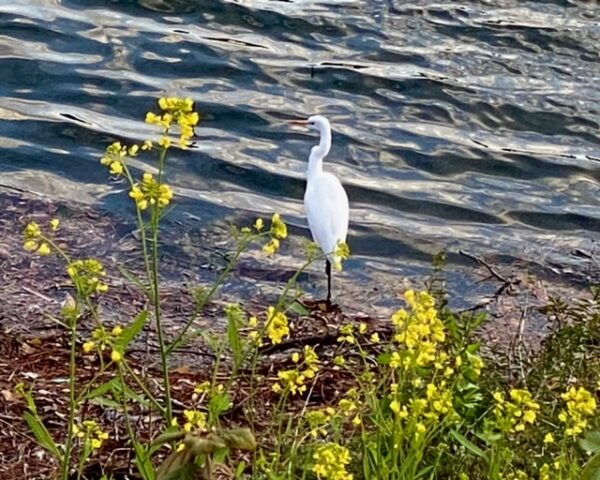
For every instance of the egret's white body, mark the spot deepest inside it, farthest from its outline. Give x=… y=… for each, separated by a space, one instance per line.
x=326 y=205
x=325 y=199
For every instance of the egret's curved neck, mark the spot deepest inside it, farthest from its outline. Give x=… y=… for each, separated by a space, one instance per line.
x=319 y=152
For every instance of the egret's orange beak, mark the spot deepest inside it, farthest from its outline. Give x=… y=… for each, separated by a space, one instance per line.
x=298 y=122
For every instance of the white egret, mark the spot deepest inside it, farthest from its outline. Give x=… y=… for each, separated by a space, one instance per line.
x=325 y=199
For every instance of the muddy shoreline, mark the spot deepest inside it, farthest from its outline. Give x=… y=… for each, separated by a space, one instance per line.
x=31 y=285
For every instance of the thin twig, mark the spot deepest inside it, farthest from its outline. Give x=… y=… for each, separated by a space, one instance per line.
x=488 y=267
x=38 y=294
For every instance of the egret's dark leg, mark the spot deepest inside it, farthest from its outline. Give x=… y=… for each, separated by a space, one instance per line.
x=328 y=272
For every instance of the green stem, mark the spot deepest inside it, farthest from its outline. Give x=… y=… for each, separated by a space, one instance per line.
x=156 y=298
x=130 y=431
x=60 y=251
x=141 y=226
x=82 y=459
x=72 y=402
x=151 y=397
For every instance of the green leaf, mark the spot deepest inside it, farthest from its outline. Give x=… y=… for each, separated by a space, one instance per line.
x=187 y=471
x=470 y=446
x=219 y=403
x=170 y=435
x=239 y=439
x=42 y=434
x=235 y=318
x=130 y=394
x=106 y=402
x=489 y=437
x=384 y=358
x=132 y=278
x=143 y=462
x=132 y=330
x=298 y=308
x=591 y=470
x=178 y=466
x=241 y=467
x=591 y=443
x=424 y=471
x=103 y=389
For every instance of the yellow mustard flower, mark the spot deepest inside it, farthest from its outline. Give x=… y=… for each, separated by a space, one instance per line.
x=278 y=227
x=581 y=405
x=311 y=359
x=44 y=249
x=271 y=247
x=400 y=410
x=545 y=472
x=203 y=387
x=419 y=331
x=277 y=325
x=292 y=381
x=180 y=111
x=91 y=434
x=32 y=230
x=341 y=253
x=32 y=234
x=347 y=334
x=339 y=360
x=331 y=460
x=165 y=142
x=114 y=158
x=254 y=334
x=54 y=224
x=318 y=420
x=30 y=245
x=116 y=168
x=116 y=356
x=514 y=414
x=194 y=420
x=276 y=388
x=150 y=192
x=396 y=360
x=87 y=275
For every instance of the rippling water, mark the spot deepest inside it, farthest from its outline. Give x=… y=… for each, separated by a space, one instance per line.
x=457 y=124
